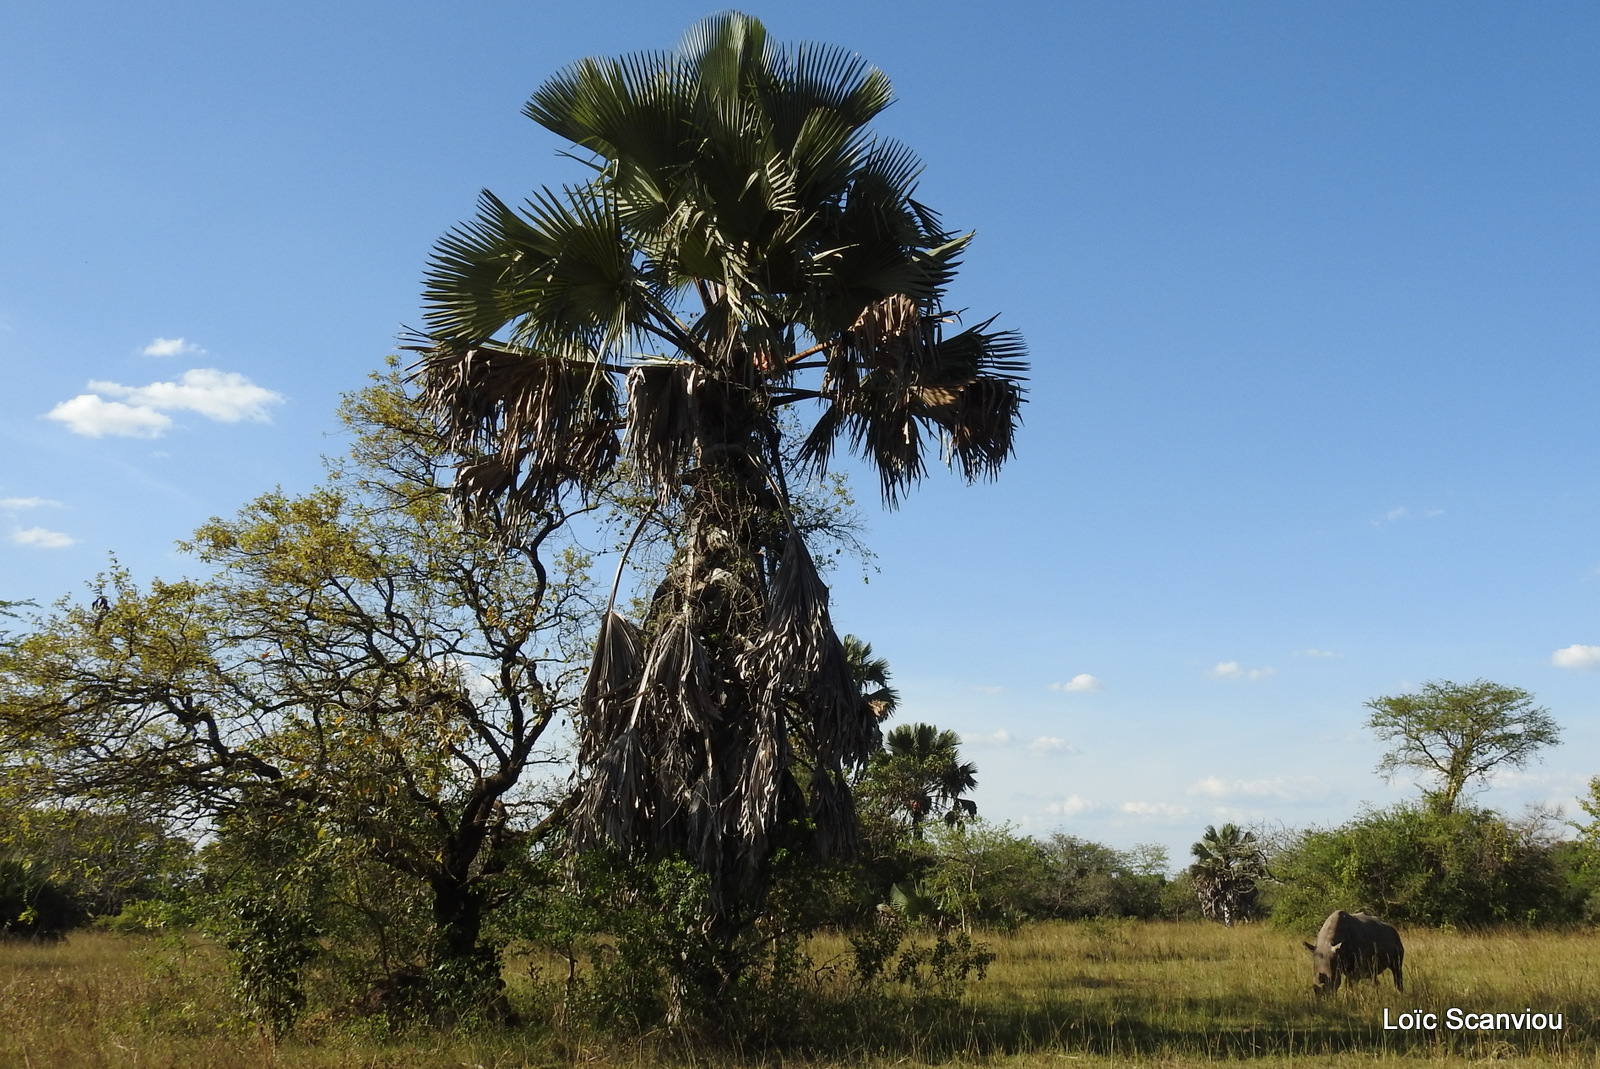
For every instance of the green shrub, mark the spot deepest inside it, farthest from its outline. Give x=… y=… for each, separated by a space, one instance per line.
x=1414 y=864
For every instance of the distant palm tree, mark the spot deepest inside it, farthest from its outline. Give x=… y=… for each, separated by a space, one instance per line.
x=921 y=773
x=1228 y=862
x=745 y=244
x=872 y=678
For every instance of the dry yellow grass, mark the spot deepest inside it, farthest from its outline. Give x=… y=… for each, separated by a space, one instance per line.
x=1058 y=996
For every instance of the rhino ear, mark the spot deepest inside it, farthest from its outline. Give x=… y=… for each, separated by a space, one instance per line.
x=1309 y=947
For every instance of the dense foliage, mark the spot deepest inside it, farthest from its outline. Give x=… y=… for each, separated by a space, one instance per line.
x=1416 y=864
x=354 y=699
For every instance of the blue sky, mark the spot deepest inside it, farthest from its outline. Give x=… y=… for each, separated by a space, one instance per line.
x=1310 y=290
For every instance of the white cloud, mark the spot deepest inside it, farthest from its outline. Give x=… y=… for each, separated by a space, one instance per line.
x=1155 y=809
x=999 y=738
x=139 y=411
x=1083 y=681
x=1314 y=652
x=38 y=536
x=225 y=396
x=89 y=415
x=1284 y=788
x=1578 y=658
x=1233 y=670
x=1396 y=514
x=1046 y=744
x=16 y=504
x=1071 y=806
x=171 y=347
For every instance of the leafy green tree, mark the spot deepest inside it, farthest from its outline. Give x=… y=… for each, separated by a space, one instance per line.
x=100 y=860
x=1458 y=732
x=356 y=658
x=6 y=612
x=919 y=773
x=1229 y=862
x=1087 y=879
x=1589 y=830
x=743 y=245
x=984 y=873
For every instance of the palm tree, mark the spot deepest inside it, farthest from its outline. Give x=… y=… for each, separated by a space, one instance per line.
x=921 y=773
x=744 y=245
x=1228 y=862
x=871 y=675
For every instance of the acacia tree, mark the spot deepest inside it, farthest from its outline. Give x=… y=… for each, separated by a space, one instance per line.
x=1458 y=732
x=357 y=669
x=744 y=246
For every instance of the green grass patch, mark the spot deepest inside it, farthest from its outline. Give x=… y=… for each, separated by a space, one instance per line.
x=1057 y=995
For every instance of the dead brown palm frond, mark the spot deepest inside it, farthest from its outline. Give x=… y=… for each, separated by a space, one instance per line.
x=615 y=802
x=981 y=426
x=652 y=746
x=551 y=420
x=888 y=334
x=833 y=811
x=894 y=381
x=760 y=782
x=610 y=686
x=798 y=662
x=662 y=419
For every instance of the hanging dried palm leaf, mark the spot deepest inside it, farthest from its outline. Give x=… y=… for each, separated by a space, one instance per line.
x=798 y=662
x=662 y=422
x=551 y=421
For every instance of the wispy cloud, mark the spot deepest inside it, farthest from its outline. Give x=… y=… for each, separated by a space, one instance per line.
x=1394 y=515
x=1155 y=809
x=1577 y=658
x=171 y=347
x=1081 y=682
x=1314 y=652
x=42 y=539
x=1234 y=670
x=1071 y=806
x=999 y=738
x=1048 y=744
x=1284 y=788
x=140 y=411
x=17 y=504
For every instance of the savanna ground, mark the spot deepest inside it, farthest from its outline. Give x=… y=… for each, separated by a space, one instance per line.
x=1058 y=995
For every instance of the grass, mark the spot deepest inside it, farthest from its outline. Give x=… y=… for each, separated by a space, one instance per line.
x=1058 y=995
x=1202 y=991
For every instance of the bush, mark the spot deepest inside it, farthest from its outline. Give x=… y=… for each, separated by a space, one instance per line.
x=984 y=874
x=33 y=905
x=1414 y=864
x=74 y=865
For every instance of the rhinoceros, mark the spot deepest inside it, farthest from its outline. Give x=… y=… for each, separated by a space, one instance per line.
x=1356 y=946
